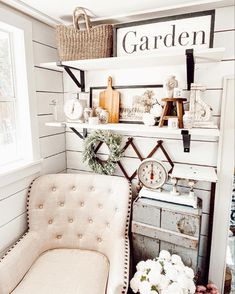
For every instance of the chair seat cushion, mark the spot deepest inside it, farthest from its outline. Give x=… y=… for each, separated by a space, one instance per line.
x=66 y=271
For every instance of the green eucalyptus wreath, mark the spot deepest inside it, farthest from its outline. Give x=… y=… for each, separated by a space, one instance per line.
x=113 y=141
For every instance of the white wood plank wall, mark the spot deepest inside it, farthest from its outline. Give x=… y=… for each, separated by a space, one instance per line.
x=49 y=86
x=203 y=151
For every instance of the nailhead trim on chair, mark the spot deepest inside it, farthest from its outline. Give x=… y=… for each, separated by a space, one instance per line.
x=13 y=246
x=125 y=286
x=27 y=205
x=25 y=234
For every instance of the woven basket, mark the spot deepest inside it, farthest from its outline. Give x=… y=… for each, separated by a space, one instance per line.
x=92 y=42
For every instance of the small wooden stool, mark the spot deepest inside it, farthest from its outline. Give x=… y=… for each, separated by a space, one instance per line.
x=168 y=107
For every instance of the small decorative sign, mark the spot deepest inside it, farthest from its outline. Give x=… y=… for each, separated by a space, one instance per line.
x=194 y=30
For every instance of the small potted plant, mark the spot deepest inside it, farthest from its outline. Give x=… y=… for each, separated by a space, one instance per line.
x=165 y=274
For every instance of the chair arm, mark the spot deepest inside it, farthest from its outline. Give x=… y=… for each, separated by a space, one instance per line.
x=119 y=268
x=18 y=260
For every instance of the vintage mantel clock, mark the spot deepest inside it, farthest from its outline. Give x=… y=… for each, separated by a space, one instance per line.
x=153 y=175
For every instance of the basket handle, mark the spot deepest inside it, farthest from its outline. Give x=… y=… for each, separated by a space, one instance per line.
x=78 y=13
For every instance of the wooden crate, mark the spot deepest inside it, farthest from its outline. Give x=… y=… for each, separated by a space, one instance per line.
x=159 y=225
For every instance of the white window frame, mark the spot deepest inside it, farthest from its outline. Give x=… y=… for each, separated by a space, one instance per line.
x=11 y=98
x=19 y=97
x=32 y=162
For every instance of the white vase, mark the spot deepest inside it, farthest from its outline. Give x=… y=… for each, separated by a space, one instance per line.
x=170 y=84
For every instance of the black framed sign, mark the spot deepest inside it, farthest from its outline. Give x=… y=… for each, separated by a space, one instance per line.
x=134 y=100
x=193 y=30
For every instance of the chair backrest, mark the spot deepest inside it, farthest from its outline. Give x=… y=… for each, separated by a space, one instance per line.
x=79 y=210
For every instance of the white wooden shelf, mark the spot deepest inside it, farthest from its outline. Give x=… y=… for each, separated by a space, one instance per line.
x=139 y=128
x=171 y=57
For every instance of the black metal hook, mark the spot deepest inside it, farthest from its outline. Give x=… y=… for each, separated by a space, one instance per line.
x=186 y=140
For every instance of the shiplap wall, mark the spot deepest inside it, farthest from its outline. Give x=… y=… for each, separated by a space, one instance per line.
x=203 y=151
x=49 y=86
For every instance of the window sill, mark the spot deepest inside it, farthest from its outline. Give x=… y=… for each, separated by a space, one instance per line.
x=19 y=171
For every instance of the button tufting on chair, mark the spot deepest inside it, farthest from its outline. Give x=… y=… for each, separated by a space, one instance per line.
x=80 y=236
x=50 y=221
x=82 y=204
x=59 y=236
x=107 y=224
x=100 y=206
x=61 y=204
x=90 y=220
x=74 y=188
x=53 y=189
x=99 y=239
x=40 y=206
x=70 y=220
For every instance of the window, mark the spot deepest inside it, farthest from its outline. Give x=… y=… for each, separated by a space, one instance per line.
x=19 y=142
x=15 y=125
x=8 y=139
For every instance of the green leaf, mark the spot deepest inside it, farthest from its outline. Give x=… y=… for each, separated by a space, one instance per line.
x=154 y=288
x=143 y=278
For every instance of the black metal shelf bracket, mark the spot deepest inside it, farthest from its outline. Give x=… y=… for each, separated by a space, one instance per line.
x=190 y=67
x=186 y=140
x=69 y=69
x=81 y=136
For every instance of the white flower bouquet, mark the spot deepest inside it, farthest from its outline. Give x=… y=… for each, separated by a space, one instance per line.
x=164 y=275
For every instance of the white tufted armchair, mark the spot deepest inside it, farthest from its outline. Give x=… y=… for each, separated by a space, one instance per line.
x=77 y=242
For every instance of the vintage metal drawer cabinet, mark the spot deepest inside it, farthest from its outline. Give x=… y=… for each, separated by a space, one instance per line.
x=159 y=225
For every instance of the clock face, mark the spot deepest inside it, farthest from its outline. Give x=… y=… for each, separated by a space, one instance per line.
x=73 y=109
x=152 y=174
